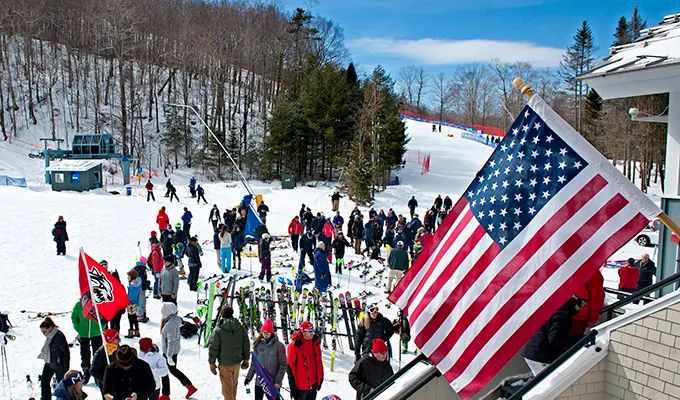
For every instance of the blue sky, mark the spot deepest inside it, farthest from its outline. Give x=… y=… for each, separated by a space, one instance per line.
x=439 y=34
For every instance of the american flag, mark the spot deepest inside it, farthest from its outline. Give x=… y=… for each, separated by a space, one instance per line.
x=539 y=219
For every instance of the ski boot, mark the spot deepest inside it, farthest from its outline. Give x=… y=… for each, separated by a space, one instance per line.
x=130 y=334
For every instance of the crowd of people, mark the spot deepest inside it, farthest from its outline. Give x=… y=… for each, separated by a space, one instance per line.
x=140 y=372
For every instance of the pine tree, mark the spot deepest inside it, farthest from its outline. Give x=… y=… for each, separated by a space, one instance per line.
x=173 y=137
x=352 y=74
x=578 y=59
x=212 y=158
x=592 y=116
x=621 y=35
x=635 y=25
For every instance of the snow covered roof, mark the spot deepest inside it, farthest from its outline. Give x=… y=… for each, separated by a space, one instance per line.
x=649 y=65
x=73 y=165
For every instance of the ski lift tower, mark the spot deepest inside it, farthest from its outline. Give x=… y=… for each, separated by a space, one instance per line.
x=48 y=154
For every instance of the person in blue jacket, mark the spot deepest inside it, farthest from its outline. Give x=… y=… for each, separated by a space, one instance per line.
x=322 y=273
x=338 y=221
x=307 y=243
x=201 y=195
x=192 y=187
x=368 y=234
x=186 y=220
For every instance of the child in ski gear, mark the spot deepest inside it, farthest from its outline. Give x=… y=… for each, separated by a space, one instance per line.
x=89 y=333
x=148 y=352
x=225 y=249
x=398 y=263
x=272 y=356
x=305 y=369
x=134 y=292
x=171 y=343
x=295 y=230
x=194 y=253
x=169 y=280
x=373 y=325
x=229 y=347
x=214 y=217
x=201 y=195
x=339 y=244
x=60 y=236
x=55 y=353
x=322 y=273
x=128 y=375
x=155 y=261
x=100 y=359
x=141 y=268
x=149 y=191
x=71 y=387
x=265 y=256
x=371 y=370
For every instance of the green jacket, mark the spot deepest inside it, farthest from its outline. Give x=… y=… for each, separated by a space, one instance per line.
x=85 y=327
x=398 y=259
x=229 y=343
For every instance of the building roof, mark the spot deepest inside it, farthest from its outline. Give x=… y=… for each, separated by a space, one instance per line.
x=73 y=165
x=647 y=65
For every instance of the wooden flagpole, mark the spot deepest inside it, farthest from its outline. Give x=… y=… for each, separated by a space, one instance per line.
x=527 y=91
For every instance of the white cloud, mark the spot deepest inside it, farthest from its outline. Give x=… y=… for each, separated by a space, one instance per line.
x=449 y=52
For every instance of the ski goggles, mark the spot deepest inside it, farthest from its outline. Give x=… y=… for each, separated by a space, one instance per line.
x=373 y=310
x=310 y=330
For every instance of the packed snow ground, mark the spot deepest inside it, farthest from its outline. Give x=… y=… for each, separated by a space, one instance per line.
x=110 y=226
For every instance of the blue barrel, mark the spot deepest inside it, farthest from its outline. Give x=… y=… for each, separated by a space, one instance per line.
x=128 y=190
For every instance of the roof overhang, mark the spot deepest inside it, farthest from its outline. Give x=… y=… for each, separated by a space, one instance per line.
x=652 y=80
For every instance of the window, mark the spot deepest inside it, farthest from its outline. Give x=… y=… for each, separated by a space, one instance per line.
x=96 y=176
x=58 y=177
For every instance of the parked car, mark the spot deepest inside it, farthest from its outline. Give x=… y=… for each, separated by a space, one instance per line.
x=649 y=237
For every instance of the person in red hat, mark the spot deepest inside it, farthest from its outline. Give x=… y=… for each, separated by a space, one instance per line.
x=304 y=361
x=371 y=370
x=271 y=354
x=149 y=353
x=102 y=357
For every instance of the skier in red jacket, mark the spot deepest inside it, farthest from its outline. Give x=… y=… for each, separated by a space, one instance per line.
x=295 y=230
x=162 y=219
x=304 y=361
x=149 y=191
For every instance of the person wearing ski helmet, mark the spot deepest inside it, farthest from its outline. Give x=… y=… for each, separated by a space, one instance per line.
x=373 y=325
x=371 y=370
x=304 y=362
x=271 y=354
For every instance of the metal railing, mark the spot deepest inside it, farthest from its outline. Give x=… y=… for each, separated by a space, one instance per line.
x=390 y=381
x=639 y=295
x=587 y=341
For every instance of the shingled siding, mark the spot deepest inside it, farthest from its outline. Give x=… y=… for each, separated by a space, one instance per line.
x=643 y=362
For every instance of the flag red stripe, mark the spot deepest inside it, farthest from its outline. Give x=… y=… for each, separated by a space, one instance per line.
x=573 y=205
x=439 y=235
x=435 y=322
x=552 y=264
x=479 y=232
x=584 y=272
x=449 y=270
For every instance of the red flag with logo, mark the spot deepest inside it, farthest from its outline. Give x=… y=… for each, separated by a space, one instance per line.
x=103 y=290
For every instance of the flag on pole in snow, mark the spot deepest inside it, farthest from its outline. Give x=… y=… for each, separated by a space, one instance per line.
x=539 y=219
x=265 y=379
x=103 y=290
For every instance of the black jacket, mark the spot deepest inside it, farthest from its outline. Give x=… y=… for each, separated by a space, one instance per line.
x=60 y=356
x=357 y=230
x=307 y=243
x=381 y=328
x=448 y=203
x=339 y=244
x=99 y=364
x=412 y=204
x=59 y=232
x=121 y=383
x=194 y=256
x=368 y=373
x=647 y=273
x=552 y=338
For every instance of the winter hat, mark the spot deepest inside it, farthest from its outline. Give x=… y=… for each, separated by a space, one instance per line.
x=125 y=356
x=168 y=309
x=142 y=260
x=145 y=344
x=306 y=326
x=110 y=335
x=268 y=326
x=378 y=346
x=153 y=233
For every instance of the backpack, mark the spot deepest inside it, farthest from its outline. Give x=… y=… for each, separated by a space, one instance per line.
x=188 y=329
x=5 y=323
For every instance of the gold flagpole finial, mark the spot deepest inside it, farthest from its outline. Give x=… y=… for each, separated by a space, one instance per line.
x=524 y=88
